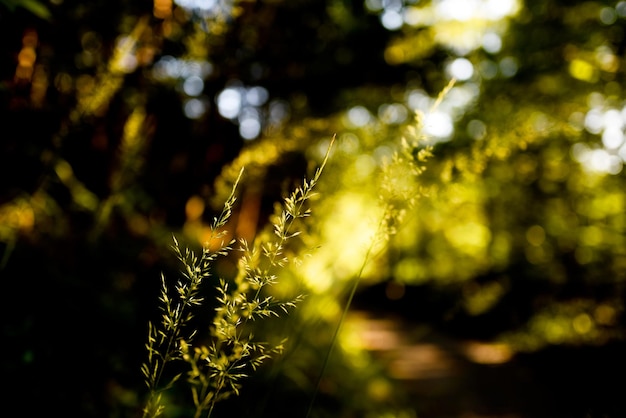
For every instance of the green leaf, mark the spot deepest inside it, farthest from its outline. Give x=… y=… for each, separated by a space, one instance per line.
x=35 y=7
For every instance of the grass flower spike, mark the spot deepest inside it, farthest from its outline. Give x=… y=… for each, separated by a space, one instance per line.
x=215 y=370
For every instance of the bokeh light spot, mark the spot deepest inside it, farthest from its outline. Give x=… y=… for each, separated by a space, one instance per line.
x=438 y=125
x=193 y=86
x=535 y=235
x=492 y=42
x=508 y=66
x=477 y=129
x=278 y=111
x=358 y=116
x=249 y=128
x=391 y=19
x=582 y=70
x=461 y=69
x=488 y=69
x=194 y=108
x=257 y=96
x=608 y=15
x=374 y=5
x=582 y=323
x=392 y=113
x=612 y=138
x=194 y=208
x=229 y=103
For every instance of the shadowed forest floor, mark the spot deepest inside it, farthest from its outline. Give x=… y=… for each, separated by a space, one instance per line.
x=449 y=377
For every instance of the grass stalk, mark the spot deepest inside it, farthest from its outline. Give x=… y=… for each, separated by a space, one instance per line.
x=344 y=314
x=397 y=196
x=166 y=342
x=215 y=370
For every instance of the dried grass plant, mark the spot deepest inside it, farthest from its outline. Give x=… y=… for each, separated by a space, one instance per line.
x=215 y=371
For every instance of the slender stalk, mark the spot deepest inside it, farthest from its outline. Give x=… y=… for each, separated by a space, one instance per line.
x=396 y=196
x=293 y=209
x=163 y=344
x=344 y=313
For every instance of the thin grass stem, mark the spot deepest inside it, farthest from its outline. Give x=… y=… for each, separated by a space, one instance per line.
x=344 y=314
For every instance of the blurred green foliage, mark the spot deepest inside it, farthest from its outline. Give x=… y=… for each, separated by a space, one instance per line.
x=127 y=122
x=35 y=7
